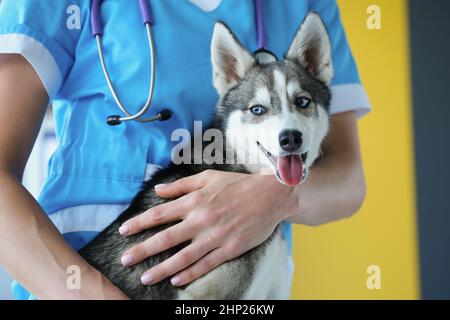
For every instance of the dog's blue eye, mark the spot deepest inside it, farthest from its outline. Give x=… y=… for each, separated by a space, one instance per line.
x=258 y=110
x=302 y=102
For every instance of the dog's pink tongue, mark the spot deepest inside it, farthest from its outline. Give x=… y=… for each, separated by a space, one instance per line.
x=290 y=169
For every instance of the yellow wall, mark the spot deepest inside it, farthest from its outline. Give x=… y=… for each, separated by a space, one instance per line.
x=331 y=260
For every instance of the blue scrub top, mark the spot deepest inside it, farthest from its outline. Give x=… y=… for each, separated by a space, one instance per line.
x=96 y=163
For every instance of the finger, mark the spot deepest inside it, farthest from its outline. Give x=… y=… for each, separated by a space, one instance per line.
x=158 y=215
x=180 y=187
x=209 y=262
x=159 y=242
x=174 y=264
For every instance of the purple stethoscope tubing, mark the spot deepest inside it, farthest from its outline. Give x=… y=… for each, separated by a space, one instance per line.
x=262 y=55
x=260 y=27
x=147 y=17
x=96 y=20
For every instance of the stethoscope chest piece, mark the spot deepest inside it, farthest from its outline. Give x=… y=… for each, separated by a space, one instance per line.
x=163 y=115
x=264 y=56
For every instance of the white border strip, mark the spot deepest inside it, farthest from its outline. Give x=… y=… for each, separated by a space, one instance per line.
x=207 y=5
x=37 y=55
x=348 y=97
x=89 y=217
x=92 y=217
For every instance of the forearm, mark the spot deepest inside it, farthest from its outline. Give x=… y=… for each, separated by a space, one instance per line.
x=31 y=248
x=334 y=190
x=34 y=252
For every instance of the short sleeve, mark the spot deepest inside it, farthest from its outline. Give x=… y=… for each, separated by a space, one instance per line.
x=346 y=88
x=40 y=31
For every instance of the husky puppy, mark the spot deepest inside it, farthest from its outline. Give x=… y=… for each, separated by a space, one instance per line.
x=278 y=110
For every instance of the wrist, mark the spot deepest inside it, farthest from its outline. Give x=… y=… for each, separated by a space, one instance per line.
x=286 y=204
x=93 y=286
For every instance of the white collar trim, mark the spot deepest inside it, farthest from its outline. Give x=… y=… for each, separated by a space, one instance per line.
x=207 y=5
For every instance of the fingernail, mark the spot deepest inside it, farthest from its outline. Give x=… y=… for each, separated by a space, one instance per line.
x=175 y=280
x=160 y=186
x=124 y=229
x=146 y=279
x=126 y=260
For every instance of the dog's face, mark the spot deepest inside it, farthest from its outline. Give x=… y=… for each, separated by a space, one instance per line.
x=275 y=114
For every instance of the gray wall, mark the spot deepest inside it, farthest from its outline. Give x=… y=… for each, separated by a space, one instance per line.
x=430 y=45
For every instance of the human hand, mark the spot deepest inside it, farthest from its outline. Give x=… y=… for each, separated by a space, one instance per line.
x=224 y=215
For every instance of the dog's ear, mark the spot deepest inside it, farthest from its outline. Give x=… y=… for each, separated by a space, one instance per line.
x=311 y=48
x=230 y=60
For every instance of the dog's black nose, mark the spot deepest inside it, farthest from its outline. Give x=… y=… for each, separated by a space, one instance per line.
x=290 y=140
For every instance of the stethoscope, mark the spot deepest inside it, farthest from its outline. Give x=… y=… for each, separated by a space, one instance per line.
x=262 y=56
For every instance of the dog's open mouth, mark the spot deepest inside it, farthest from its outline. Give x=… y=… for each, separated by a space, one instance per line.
x=290 y=168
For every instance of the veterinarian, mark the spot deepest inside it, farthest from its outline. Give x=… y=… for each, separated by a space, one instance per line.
x=48 y=55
